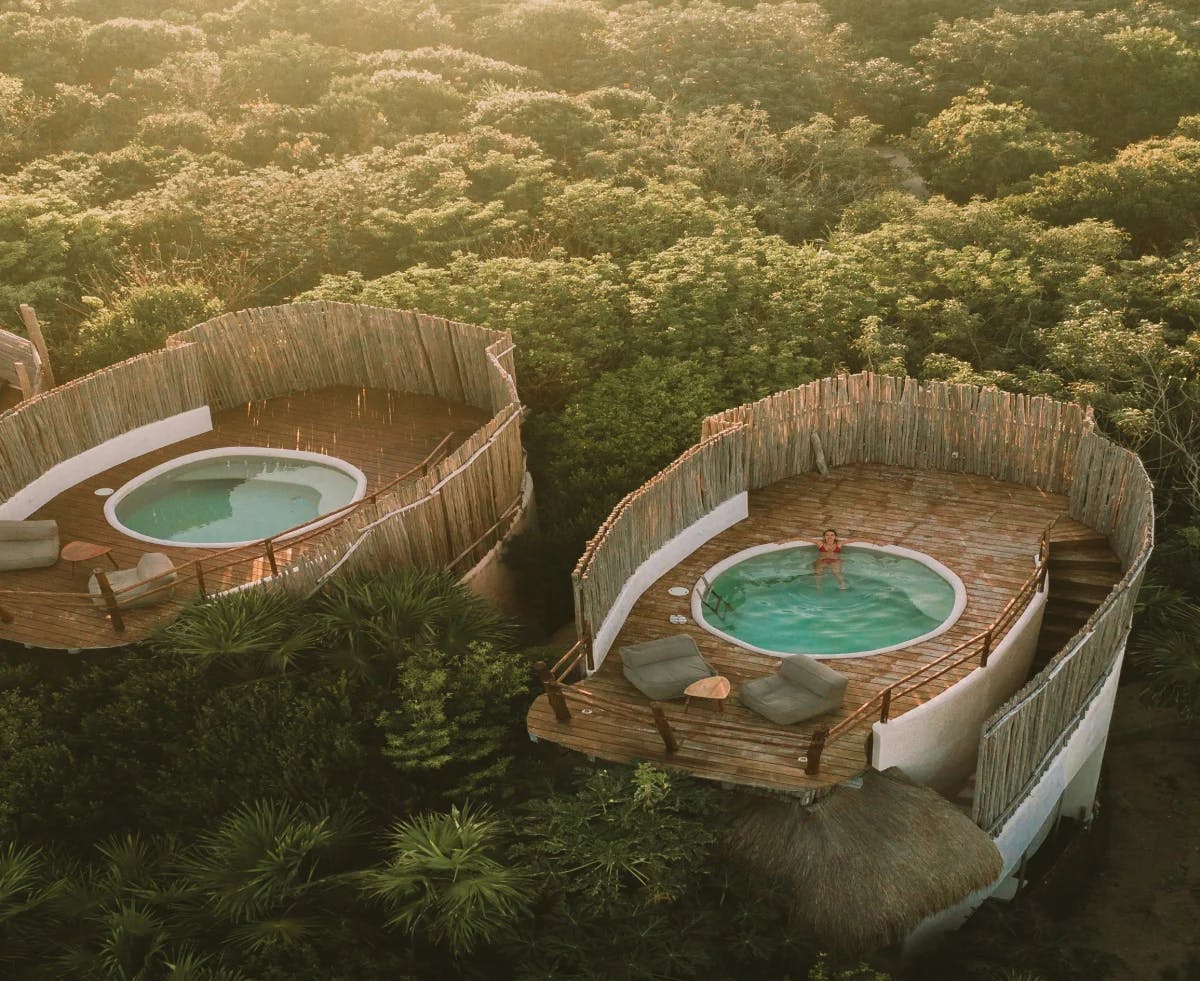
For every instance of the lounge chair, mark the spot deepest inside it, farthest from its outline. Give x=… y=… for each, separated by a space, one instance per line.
x=28 y=544
x=142 y=586
x=802 y=688
x=662 y=669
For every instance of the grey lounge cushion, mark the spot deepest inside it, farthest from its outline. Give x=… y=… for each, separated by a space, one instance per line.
x=802 y=688
x=662 y=669
x=141 y=586
x=28 y=544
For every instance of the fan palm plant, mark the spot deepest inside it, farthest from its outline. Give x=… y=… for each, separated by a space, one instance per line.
x=27 y=891
x=367 y=625
x=441 y=876
x=1170 y=652
x=266 y=874
x=118 y=910
x=249 y=634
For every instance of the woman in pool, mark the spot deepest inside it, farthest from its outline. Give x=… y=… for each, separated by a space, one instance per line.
x=829 y=556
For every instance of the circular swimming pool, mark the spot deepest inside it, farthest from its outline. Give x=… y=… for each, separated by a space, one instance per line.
x=232 y=496
x=770 y=599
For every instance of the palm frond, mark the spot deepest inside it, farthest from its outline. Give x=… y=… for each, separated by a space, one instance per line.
x=441 y=876
x=240 y=632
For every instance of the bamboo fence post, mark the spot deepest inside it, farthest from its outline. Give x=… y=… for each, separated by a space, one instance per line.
x=29 y=318
x=664 y=727
x=110 y=600
x=589 y=657
x=24 y=382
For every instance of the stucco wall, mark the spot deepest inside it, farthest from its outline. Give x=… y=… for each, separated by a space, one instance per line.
x=143 y=439
x=723 y=516
x=937 y=743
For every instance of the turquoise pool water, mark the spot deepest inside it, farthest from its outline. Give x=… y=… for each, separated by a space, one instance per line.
x=233 y=499
x=775 y=602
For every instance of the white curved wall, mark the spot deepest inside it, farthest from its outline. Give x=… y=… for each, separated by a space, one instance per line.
x=1069 y=782
x=724 y=515
x=152 y=436
x=937 y=743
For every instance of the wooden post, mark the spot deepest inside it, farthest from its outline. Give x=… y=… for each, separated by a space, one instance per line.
x=200 y=581
x=819 y=454
x=34 y=329
x=816 y=747
x=271 y=557
x=886 y=706
x=110 y=600
x=554 y=694
x=987 y=648
x=5 y=616
x=589 y=658
x=24 y=382
x=664 y=727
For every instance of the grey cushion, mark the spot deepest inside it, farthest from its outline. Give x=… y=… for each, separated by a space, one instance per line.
x=142 y=586
x=662 y=669
x=28 y=544
x=812 y=674
x=802 y=688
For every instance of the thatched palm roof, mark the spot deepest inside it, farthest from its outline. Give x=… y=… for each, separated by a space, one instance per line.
x=865 y=865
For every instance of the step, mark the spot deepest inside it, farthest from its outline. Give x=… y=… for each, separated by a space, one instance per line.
x=1063 y=630
x=1068 y=606
x=1081 y=592
x=1091 y=552
x=1060 y=620
x=1085 y=537
x=1090 y=573
x=1056 y=621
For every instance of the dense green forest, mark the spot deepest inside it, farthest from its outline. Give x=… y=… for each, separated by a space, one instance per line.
x=675 y=208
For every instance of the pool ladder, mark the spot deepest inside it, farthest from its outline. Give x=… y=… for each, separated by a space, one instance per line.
x=705 y=598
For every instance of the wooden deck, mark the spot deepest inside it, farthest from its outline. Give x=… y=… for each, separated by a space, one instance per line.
x=987 y=531
x=383 y=433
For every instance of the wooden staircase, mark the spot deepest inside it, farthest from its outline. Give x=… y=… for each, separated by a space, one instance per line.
x=1082 y=572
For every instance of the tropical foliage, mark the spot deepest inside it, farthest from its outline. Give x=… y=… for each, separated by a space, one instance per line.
x=674 y=208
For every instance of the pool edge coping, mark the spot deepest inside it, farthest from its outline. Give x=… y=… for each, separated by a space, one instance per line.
x=710 y=575
x=118 y=495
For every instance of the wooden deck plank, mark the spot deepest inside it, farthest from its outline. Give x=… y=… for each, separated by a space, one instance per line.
x=987 y=531
x=382 y=433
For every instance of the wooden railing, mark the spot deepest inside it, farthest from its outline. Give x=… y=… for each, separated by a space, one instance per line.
x=977 y=648
x=556 y=681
